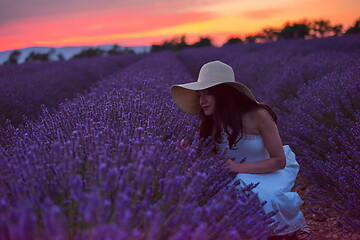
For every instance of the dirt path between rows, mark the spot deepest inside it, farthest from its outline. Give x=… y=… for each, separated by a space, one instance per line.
x=323 y=227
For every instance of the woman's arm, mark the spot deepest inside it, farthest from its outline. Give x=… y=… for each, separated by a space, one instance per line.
x=273 y=144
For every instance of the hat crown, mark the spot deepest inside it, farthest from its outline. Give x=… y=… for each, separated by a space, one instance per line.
x=211 y=74
x=216 y=72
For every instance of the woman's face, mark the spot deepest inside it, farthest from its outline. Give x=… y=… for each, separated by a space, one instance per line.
x=207 y=102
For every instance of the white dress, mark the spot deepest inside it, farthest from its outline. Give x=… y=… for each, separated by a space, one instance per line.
x=275 y=187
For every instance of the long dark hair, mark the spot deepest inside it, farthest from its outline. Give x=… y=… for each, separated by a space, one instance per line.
x=230 y=106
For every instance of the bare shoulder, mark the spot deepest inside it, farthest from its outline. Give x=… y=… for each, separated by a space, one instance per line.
x=259 y=116
x=256 y=120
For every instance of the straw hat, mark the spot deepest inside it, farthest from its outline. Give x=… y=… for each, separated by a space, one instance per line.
x=211 y=74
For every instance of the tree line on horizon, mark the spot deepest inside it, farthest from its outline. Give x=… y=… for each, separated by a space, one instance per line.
x=34 y=57
x=299 y=29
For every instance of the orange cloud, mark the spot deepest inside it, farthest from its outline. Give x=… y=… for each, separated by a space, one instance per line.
x=262 y=14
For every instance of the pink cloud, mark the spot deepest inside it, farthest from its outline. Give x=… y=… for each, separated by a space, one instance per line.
x=14 y=11
x=103 y=24
x=82 y=27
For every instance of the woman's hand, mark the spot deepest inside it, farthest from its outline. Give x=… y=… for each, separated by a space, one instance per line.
x=233 y=166
x=181 y=145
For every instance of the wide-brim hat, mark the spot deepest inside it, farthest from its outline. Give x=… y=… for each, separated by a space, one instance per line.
x=211 y=74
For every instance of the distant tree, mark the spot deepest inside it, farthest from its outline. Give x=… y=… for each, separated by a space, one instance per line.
x=40 y=57
x=60 y=57
x=37 y=57
x=233 y=40
x=296 y=30
x=203 y=42
x=355 y=28
x=90 y=52
x=166 y=45
x=301 y=30
x=128 y=50
x=250 y=39
x=174 y=44
x=287 y=32
x=337 y=29
x=254 y=38
x=155 y=48
x=270 y=34
x=13 y=58
x=114 y=50
x=180 y=43
x=321 y=28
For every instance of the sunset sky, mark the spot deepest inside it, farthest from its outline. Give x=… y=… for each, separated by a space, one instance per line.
x=25 y=23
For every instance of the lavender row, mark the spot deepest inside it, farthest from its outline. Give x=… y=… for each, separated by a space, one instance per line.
x=24 y=88
x=324 y=129
x=104 y=166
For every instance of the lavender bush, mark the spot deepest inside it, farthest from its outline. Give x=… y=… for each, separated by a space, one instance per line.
x=104 y=166
x=324 y=129
x=24 y=88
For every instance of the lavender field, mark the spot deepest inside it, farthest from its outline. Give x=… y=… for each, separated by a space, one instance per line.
x=24 y=88
x=104 y=164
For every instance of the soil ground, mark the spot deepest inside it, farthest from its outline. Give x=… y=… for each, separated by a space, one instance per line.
x=323 y=227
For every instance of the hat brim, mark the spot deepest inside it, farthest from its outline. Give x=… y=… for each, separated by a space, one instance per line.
x=187 y=99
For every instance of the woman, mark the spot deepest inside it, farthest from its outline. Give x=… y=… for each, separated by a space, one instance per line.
x=247 y=130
